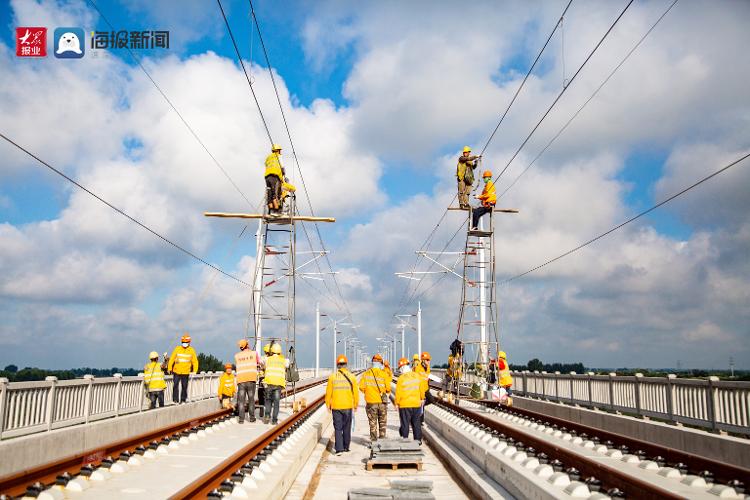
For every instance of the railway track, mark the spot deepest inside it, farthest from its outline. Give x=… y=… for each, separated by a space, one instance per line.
x=34 y=481
x=579 y=452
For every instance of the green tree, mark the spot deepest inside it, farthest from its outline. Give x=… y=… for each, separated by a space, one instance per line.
x=535 y=365
x=209 y=363
x=11 y=368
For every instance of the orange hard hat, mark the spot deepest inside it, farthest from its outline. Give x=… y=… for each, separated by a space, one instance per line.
x=386 y=363
x=341 y=360
x=242 y=343
x=426 y=356
x=378 y=358
x=403 y=362
x=487 y=173
x=228 y=366
x=185 y=338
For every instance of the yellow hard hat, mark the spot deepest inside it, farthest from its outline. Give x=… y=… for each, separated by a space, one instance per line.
x=415 y=357
x=267 y=348
x=276 y=349
x=153 y=354
x=501 y=354
x=467 y=149
x=276 y=147
x=242 y=343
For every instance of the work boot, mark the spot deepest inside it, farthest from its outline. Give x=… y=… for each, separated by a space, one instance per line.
x=251 y=419
x=266 y=420
x=274 y=422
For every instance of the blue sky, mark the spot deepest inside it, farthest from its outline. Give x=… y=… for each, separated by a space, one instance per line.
x=385 y=98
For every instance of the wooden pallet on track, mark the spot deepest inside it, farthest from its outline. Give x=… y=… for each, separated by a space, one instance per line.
x=394 y=463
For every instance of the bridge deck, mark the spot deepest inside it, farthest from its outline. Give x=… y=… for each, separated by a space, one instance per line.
x=337 y=475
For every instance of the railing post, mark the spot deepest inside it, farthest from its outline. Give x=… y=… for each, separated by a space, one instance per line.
x=118 y=391
x=557 y=388
x=87 y=397
x=3 y=403
x=144 y=393
x=51 y=400
x=590 y=384
x=612 y=376
x=638 y=377
x=571 y=375
x=525 y=382
x=711 y=401
x=670 y=397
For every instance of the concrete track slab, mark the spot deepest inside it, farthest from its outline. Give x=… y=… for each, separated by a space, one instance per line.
x=337 y=475
x=167 y=474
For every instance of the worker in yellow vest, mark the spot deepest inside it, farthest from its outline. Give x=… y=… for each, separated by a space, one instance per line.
x=153 y=377
x=274 y=175
x=465 y=175
x=410 y=390
x=275 y=381
x=505 y=378
x=227 y=386
x=182 y=363
x=423 y=370
x=376 y=386
x=246 y=361
x=342 y=399
x=488 y=198
x=388 y=371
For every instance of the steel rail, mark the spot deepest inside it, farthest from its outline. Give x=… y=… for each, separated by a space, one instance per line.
x=610 y=477
x=47 y=474
x=205 y=484
x=722 y=472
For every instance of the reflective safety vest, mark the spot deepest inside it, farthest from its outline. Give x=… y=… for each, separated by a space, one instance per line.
x=227 y=386
x=489 y=195
x=424 y=372
x=373 y=383
x=183 y=360
x=341 y=391
x=247 y=366
x=276 y=370
x=505 y=378
x=410 y=390
x=273 y=166
x=153 y=377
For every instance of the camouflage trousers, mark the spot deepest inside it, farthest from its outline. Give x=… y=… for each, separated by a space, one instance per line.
x=376 y=415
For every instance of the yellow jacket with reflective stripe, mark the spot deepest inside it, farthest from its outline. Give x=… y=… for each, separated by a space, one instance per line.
x=505 y=378
x=276 y=370
x=410 y=390
x=422 y=370
x=247 y=366
x=273 y=166
x=341 y=391
x=183 y=360
x=227 y=385
x=373 y=383
x=153 y=377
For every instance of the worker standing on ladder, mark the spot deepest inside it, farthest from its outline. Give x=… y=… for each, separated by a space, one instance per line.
x=488 y=199
x=342 y=399
x=247 y=377
x=465 y=175
x=376 y=386
x=182 y=363
x=274 y=179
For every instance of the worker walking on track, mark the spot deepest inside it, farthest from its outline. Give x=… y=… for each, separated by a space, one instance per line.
x=388 y=371
x=274 y=175
x=182 y=363
x=153 y=377
x=410 y=390
x=376 y=386
x=465 y=176
x=505 y=379
x=488 y=198
x=275 y=380
x=247 y=377
x=342 y=399
x=227 y=386
x=423 y=370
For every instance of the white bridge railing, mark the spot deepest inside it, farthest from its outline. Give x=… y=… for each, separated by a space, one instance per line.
x=710 y=403
x=31 y=407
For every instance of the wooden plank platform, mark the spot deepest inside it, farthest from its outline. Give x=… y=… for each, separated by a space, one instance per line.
x=270 y=218
x=502 y=210
x=393 y=463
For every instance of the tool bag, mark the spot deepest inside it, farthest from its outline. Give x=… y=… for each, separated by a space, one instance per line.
x=292 y=374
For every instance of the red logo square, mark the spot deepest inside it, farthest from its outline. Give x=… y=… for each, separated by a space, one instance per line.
x=31 y=42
